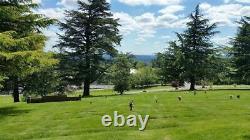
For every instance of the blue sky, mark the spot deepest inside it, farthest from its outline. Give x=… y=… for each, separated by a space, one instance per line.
x=147 y=25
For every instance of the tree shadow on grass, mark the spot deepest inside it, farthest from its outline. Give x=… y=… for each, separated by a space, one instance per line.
x=246 y=137
x=11 y=112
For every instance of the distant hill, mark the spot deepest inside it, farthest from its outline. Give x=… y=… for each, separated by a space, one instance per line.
x=145 y=58
x=142 y=58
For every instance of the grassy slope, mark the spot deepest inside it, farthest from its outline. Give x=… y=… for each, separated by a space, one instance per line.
x=211 y=116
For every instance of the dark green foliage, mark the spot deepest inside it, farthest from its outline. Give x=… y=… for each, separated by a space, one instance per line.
x=13 y=17
x=144 y=77
x=196 y=47
x=241 y=52
x=42 y=82
x=190 y=58
x=21 y=42
x=2 y=78
x=120 y=73
x=219 y=70
x=170 y=64
x=90 y=33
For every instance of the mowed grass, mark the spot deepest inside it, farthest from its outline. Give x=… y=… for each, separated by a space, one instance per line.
x=211 y=116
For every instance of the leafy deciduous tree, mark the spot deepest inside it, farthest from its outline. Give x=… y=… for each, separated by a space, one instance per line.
x=21 y=41
x=120 y=73
x=144 y=77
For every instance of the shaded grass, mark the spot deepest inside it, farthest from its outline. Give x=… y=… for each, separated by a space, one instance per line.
x=9 y=111
x=211 y=116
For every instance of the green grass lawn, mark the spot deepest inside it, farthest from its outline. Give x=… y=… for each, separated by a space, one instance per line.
x=211 y=116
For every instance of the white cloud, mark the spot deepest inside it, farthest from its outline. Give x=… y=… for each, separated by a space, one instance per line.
x=222 y=40
x=128 y=23
x=243 y=1
x=225 y=14
x=72 y=4
x=145 y=25
x=146 y=20
x=178 y=23
x=37 y=1
x=205 y=6
x=69 y=4
x=52 y=38
x=59 y=13
x=55 y=13
x=169 y=18
x=237 y=1
x=172 y=9
x=150 y=2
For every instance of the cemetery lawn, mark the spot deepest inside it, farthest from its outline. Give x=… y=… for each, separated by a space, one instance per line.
x=211 y=116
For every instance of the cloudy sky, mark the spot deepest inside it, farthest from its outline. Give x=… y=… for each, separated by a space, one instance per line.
x=147 y=25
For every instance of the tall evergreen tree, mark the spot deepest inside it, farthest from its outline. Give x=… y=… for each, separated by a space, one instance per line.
x=90 y=33
x=241 y=51
x=196 y=47
x=21 y=42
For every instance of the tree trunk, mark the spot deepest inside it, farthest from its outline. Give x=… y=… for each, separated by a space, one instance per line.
x=87 y=81
x=16 y=91
x=192 y=81
x=86 y=91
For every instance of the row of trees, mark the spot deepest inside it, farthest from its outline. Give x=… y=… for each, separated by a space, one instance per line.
x=194 y=58
x=90 y=33
x=87 y=52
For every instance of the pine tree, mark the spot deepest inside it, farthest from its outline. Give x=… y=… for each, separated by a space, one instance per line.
x=196 y=47
x=90 y=33
x=241 y=51
x=21 y=42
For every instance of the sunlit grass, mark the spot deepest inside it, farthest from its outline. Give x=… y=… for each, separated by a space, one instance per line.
x=211 y=116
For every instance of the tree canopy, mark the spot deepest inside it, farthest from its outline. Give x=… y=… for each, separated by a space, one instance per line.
x=120 y=73
x=241 y=52
x=21 y=41
x=191 y=56
x=91 y=33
